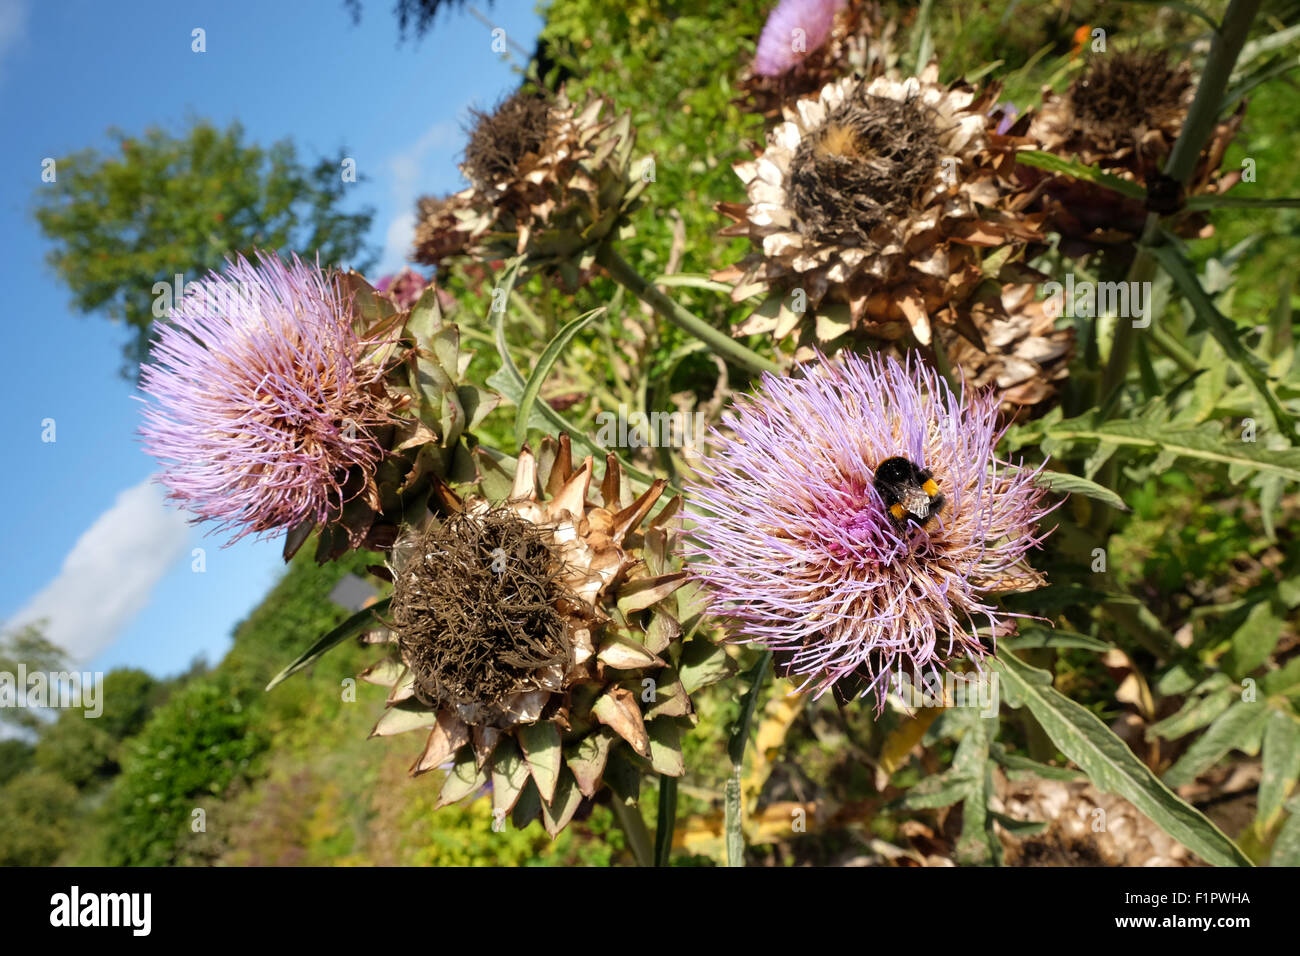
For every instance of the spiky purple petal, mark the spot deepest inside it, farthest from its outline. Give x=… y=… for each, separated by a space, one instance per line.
x=793 y=30
x=795 y=546
x=260 y=403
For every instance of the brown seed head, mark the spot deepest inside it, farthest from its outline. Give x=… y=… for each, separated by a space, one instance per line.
x=868 y=163
x=477 y=612
x=500 y=140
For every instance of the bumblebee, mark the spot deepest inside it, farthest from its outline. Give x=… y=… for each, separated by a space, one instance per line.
x=838 y=141
x=908 y=491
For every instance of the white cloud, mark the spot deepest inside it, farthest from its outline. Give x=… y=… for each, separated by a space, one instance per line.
x=397 y=242
x=13 y=26
x=111 y=571
x=439 y=142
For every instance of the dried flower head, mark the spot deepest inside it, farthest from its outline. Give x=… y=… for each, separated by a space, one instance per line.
x=264 y=408
x=855 y=519
x=1024 y=358
x=1123 y=113
x=874 y=197
x=548 y=181
x=501 y=140
x=538 y=641
x=477 y=611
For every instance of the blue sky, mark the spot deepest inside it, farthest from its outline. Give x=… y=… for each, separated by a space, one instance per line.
x=88 y=541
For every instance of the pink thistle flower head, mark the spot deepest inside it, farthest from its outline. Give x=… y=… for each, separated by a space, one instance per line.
x=263 y=406
x=797 y=545
x=793 y=30
x=404 y=288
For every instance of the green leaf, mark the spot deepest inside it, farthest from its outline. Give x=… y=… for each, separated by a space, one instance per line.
x=1224 y=332
x=557 y=814
x=1255 y=639
x=588 y=759
x=364 y=620
x=1113 y=767
x=527 y=807
x=404 y=717
x=979 y=844
x=1277 y=40
x=510 y=385
x=1092 y=174
x=541 y=746
x=545 y=362
x=1020 y=829
x=477 y=402
x=739 y=740
x=1193 y=715
x=666 y=746
x=703 y=663
x=933 y=793
x=425 y=318
x=497 y=321
x=464 y=778
x=1232 y=729
x=509 y=774
x=1203 y=442
x=1280 y=765
x=1065 y=483
x=1284 y=681
x=1176 y=680
x=1031 y=636
x=1018 y=766
x=1286 y=848
x=623 y=777
x=691 y=281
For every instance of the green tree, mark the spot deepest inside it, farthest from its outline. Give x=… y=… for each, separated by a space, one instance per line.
x=36 y=808
x=413 y=16
x=15 y=757
x=191 y=749
x=77 y=749
x=129 y=697
x=27 y=645
x=167 y=205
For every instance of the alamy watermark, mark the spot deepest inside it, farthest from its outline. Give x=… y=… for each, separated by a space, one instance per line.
x=949 y=690
x=59 y=689
x=626 y=429
x=1087 y=299
x=200 y=296
x=132 y=911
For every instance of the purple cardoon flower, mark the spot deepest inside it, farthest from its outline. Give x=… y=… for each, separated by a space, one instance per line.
x=403 y=288
x=796 y=545
x=262 y=406
x=793 y=30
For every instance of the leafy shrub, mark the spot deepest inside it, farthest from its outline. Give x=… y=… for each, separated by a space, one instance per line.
x=36 y=808
x=190 y=751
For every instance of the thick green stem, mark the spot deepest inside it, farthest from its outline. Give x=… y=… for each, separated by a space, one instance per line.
x=734 y=810
x=1199 y=124
x=721 y=343
x=667 y=821
x=633 y=826
x=1173 y=348
x=1204 y=113
x=1121 y=349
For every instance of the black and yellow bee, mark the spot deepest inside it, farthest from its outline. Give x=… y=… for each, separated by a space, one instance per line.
x=908 y=491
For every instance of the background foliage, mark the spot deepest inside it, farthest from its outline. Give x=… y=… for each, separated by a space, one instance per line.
x=1186 y=647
